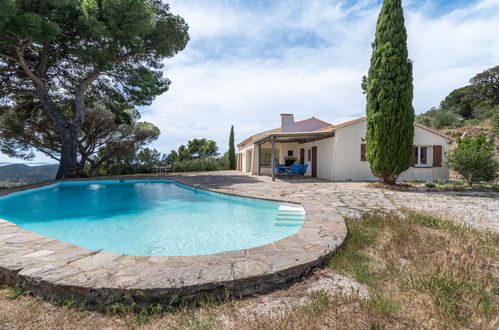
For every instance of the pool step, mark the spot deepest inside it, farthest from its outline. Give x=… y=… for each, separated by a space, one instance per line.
x=289 y=218
x=289 y=215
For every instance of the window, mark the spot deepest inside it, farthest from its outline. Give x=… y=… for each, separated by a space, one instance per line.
x=266 y=156
x=309 y=155
x=290 y=153
x=421 y=156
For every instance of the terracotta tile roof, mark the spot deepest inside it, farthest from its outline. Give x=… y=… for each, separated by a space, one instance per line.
x=434 y=131
x=346 y=123
x=325 y=129
x=276 y=130
x=337 y=126
x=253 y=137
x=313 y=118
x=358 y=120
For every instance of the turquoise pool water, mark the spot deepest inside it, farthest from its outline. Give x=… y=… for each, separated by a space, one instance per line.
x=148 y=218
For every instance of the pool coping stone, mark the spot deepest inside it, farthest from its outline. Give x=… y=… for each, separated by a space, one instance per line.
x=54 y=269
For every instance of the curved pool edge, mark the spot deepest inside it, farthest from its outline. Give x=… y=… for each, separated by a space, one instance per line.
x=55 y=269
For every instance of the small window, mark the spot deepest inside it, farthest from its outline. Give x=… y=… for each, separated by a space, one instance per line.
x=290 y=153
x=421 y=156
x=309 y=155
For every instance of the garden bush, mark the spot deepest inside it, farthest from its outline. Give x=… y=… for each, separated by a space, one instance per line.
x=200 y=165
x=473 y=159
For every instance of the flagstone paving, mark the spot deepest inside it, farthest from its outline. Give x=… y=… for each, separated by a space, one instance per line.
x=353 y=198
x=52 y=268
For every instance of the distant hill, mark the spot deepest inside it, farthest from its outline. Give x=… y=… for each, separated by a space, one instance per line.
x=20 y=173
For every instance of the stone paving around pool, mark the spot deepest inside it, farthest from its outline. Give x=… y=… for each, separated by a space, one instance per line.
x=52 y=268
x=354 y=198
x=55 y=269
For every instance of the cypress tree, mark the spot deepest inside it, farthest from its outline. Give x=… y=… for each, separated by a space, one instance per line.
x=232 y=150
x=390 y=114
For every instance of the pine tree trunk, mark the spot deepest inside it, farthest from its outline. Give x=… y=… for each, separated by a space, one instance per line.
x=68 y=132
x=68 y=165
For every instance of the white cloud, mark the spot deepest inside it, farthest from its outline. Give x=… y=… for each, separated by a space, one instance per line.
x=246 y=64
x=324 y=81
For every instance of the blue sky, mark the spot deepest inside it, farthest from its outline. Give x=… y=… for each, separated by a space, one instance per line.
x=248 y=61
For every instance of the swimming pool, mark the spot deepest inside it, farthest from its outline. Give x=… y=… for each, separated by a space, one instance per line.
x=149 y=217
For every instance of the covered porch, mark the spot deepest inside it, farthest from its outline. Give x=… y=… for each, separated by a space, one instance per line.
x=287 y=149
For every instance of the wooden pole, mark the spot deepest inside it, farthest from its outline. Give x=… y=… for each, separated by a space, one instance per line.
x=272 y=163
x=259 y=159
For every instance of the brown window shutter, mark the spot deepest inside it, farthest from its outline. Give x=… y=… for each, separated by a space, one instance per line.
x=437 y=156
x=414 y=152
x=363 y=152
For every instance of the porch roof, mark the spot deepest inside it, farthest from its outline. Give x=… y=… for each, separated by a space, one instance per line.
x=300 y=137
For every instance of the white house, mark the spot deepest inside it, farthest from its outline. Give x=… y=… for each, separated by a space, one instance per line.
x=337 y=152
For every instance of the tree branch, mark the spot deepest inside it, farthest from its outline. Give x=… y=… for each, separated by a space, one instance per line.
x=44 y=56
x=41 y=90
x=80 y=107
x=25 y=66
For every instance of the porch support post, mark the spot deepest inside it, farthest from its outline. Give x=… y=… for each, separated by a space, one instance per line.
x=272 y=163
x=259 y=159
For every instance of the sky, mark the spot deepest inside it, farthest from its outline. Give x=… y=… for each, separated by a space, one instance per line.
x=248 y=61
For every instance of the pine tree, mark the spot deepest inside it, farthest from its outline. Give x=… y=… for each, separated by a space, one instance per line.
x=390 y=114
x=232 y=150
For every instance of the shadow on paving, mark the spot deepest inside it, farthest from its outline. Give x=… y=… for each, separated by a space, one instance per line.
x=213 y=180
x=216 y=180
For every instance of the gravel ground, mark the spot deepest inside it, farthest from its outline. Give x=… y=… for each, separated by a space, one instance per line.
x=479 y=212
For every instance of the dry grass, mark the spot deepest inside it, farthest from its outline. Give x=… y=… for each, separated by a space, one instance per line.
x=421 y=272
x=442 y=186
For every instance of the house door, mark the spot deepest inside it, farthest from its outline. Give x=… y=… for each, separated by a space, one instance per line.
x=302 y=156
x=314 y=162
x=239 y=161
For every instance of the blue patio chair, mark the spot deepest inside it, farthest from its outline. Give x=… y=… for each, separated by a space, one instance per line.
x=280 y=169
x=304 y=169
x=295 y=169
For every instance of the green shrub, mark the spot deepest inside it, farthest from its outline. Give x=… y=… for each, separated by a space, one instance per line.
x=124 y=169
x=485 y=111
x=445 y=119
x=424 y=119
x=495 y=119
x=473 y=159
x=429 y=185
x=200 y=165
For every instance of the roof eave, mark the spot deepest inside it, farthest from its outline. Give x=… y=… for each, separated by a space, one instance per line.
x=295 y=136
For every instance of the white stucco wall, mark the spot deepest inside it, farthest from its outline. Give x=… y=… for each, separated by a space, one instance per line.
x=348 y=166
x=424 y=138
x=324 y=157
x=246 y=151
x=338 y=157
